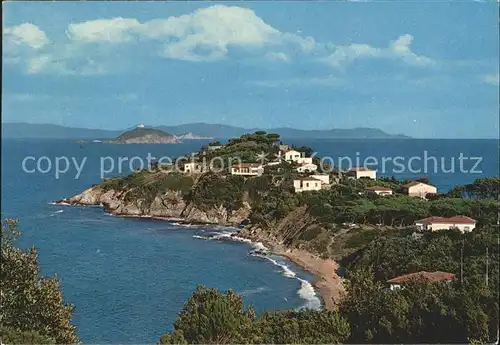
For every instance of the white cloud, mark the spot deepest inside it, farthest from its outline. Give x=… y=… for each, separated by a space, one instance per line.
x=276 y=56
x=115 y=30
x=206 y=34
x=211 y=30
x=27 y=34
x=398 y=49
x=492 y=79
x=328 y=81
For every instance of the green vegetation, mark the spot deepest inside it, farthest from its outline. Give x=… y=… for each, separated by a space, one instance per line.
x=147 y=185
x=336 y=221
x=13 y=336
x=213 y=191
x=33 y=309
x=419 y=313
x=211 y=317
x=370 y=235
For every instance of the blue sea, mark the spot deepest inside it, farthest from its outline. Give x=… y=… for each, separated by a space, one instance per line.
x=129 y=278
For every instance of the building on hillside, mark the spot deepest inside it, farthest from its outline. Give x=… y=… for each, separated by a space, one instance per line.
x=324 y=178
x=462 y=223
x=292 y=155
x=361 y=172
x=419 y=189
x=304 y=184
x=194 y=168
x=272 y=163
x=284 y=147
x=422 y=276
x=214 y=147
x=247 y=169
x=307 y=167
x=378 y=190
x=304 y=160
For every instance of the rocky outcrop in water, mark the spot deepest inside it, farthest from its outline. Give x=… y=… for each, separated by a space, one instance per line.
x=169 y=205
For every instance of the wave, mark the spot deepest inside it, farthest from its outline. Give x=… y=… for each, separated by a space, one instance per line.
x=202 y=237
x=53 y=214
x=59 y=203
x=306 y=291
x=253 y=291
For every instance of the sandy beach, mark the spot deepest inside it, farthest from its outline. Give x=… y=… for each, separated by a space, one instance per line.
x=326 y=280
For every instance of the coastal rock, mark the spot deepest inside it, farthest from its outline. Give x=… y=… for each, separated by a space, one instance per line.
x=169 y=205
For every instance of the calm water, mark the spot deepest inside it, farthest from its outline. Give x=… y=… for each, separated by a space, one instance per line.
x=130 y=277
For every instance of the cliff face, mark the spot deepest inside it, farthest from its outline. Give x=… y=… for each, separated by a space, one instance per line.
x=169 y=205
x=293 y=226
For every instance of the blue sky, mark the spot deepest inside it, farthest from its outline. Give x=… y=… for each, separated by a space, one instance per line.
x=425 y=69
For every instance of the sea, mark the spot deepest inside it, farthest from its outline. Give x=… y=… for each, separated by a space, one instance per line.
x=129 y=278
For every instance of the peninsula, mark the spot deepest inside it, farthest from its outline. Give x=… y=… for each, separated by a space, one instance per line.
x=278 y=196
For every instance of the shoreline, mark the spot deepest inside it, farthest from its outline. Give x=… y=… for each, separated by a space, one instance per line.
x=326 y=282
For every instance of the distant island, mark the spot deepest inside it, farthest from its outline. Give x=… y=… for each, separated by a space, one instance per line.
x=192 y=136
x=193 y=130
x=142 y=135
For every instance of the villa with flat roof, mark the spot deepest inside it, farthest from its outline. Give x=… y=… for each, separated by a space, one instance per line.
x=247 y=169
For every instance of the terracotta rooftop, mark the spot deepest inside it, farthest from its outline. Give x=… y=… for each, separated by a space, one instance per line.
x=453 y=220
x=378 y=188
x=422 y=276
x=360 y=169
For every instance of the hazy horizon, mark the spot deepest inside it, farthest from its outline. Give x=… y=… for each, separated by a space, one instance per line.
x=413 y=68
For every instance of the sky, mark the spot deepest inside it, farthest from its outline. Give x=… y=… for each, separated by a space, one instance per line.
x=424 y=69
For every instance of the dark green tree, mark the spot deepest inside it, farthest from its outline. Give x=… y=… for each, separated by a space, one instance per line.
x=32 y=305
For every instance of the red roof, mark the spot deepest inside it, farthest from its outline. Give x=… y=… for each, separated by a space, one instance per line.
x=422 y=276
x=377 y=188
x=360 y=169
x=453 y=220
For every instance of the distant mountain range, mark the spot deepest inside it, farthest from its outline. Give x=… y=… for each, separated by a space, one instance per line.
x=49 y=131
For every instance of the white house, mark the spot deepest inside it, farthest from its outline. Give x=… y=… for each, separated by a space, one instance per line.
x=304 y=160
x=276 y=162
x=194 y=168
x=360 y=172
x=422 y=276
x=378 y=190
x=462 y=223
x=304 y=184
x=247 y=169
x=307 y=167
x=324 y=178
x=419 y=189
x=292 y=155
